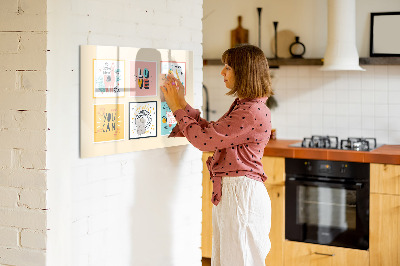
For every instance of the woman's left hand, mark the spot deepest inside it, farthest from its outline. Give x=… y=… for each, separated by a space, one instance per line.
x=170 y=89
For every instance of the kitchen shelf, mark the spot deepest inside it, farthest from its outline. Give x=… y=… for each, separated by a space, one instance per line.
x=273 y=63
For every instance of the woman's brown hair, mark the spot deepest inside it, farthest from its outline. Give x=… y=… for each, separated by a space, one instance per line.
x=250 y=66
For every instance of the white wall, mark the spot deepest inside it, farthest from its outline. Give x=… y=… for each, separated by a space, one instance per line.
x=311 y=102
x=139 y=208
x=306 y=19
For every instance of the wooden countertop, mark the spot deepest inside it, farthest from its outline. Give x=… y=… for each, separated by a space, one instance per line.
x=389 y=154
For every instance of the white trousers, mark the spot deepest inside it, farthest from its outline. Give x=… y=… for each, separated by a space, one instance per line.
x=241 y=223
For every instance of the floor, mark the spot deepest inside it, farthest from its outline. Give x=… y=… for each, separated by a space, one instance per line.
x=206 y=261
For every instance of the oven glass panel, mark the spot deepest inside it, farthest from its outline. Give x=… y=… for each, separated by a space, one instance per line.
x=326 y=207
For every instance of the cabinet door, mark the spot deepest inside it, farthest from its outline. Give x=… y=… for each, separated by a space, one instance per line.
x=274 y=168
x=304 y=254
x=206 y=225
x=385 y=178
x=384 y=230
x=277 y=233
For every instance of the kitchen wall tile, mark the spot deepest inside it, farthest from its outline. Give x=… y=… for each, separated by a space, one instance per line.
x=381 y=84
x=355 y=109
x=304 y=82
x=394 y=97
x=355 y=96
x=367 y=96
x=354 y=80
x=367 y=82
x=355 y=132
x=342 y=96
x=292 y=83
x=304 y=72
x=316 y=72
x=381 y=97
x=342 y=80
x=368 y=122
x=394 y=110
x=342 y=109
x=394 y=82
x=367 y=110
x=394 y=123
x=381 y=136
x=394 y=137
x=291 y=71
x=381 y=123
x=342 y=122
x=329 y=122
x=355 y=122
x=367 y=133
x=382 y=110
x=380 y=71
x=393 y=71
x=329 y=109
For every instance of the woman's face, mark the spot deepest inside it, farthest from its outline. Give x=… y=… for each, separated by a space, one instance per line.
x=229 y=76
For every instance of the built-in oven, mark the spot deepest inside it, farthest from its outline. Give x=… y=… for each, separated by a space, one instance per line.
x=327 y=202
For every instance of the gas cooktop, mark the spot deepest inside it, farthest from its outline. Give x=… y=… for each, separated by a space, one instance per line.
x=332 y=142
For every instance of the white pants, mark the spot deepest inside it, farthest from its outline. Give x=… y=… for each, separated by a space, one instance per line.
x=241 y=223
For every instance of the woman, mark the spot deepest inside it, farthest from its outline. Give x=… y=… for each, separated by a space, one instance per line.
x=242 y=212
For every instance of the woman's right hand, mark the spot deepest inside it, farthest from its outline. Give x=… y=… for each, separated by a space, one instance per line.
x=181 y=90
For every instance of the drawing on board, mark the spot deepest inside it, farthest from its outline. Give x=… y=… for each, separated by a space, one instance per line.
x=108 y=78
x=108 y=122
x=168 y=120
x=176 y=69
x=142 y=119
x=143 y=78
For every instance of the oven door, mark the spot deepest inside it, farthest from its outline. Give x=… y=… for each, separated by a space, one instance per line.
x=327 y=213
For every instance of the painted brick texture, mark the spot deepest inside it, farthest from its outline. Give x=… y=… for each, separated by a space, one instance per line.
x=23 y=125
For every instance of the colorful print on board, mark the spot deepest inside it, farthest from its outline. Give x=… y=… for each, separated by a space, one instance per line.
x=168 y=120
x=143 y=78
x=108 y=122
x=109 y=78
x=176 y=69
x=142 y=119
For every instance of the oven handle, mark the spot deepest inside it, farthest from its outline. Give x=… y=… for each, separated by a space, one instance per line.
x=357 y=185
x=324 y=254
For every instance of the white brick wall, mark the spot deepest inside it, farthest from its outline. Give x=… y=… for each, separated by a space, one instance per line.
x=140 y=208
x=23 y=126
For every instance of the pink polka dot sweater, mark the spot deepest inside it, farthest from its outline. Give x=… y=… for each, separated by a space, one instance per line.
x=238 y=139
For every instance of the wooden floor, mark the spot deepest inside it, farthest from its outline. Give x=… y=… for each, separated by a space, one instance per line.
x=206 y=261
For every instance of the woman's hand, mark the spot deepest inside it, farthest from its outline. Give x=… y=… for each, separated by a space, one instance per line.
x=174 y=93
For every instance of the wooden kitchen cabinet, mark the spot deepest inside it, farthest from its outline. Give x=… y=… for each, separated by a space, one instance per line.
x=385 y=178
x=206 y=225
x=305 y=254
x=385 y=215
x=274 y=168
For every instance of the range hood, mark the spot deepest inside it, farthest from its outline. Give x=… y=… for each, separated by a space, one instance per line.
x=341 y=51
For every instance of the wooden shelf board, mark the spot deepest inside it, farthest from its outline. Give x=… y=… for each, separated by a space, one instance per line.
x=275 y=62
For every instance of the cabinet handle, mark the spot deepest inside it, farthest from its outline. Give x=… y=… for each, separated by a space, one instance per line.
x=324 y=254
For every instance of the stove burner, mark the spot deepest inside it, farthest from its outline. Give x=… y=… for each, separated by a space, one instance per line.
x=358 y=144
x=328 y=142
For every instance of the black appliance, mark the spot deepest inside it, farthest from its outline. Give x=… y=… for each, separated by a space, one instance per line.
x=332 y=142
x=327 y=202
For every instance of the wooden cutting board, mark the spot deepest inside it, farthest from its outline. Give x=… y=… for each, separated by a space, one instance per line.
x=239 y=35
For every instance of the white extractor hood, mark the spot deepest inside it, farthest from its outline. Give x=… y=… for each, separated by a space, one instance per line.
x=341 y=51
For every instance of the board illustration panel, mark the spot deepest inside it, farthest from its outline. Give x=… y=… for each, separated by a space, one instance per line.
x=142 y=119
x=108 y=78
x=168 y=121
x=143 y=78
x=178 y=69
x=108 y=122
